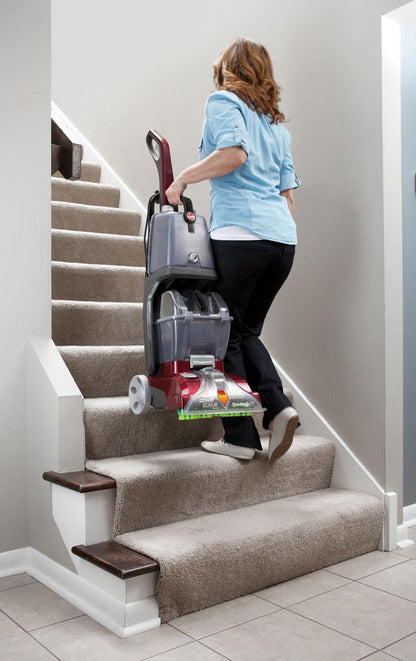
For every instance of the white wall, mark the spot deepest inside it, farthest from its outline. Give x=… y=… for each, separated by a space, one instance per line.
x=138 y=67
x=25 y=240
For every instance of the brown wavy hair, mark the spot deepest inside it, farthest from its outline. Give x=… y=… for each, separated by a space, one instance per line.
x=245 y=68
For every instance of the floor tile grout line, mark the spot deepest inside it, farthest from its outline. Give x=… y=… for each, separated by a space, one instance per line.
x=44 y=646
x=275 y=610
x=357 y=640
x=382 y=649
x=350 y=580
x=368 y=656
x=177 y=647
x=25 y=631
x=14 y=621
x=67 y=619
x=346 y=634
x=13 y=587
x=392 y=594
x=26 y=585
x=372 y=573
x=45 y=626
x=319 y=594
x=215 y=651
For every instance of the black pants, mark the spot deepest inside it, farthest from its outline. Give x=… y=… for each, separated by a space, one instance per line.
x=250 y=273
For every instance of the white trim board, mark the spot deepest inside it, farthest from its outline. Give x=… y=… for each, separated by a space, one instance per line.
x=128 y=200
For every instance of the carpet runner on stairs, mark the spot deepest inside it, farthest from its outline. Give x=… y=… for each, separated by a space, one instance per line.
x=214 y=558
x=218 y=527
x=188 y=482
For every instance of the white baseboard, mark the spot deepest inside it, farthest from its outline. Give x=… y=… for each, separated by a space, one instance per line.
x=14 y=562
x=409 y=515
x=128 y=200
x=123 y=617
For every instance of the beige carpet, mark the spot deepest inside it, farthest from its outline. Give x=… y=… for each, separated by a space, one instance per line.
x=214 y=558
x=188 y=482
x=219 y=527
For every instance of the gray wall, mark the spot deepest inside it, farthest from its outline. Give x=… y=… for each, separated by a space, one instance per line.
x=408 y=36
x=326 y=327
x=25 y=241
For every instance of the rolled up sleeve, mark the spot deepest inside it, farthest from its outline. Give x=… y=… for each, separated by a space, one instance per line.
x=288 y=177
x=226 y=124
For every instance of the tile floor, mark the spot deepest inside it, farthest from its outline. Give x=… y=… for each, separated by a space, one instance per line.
x=363 y=608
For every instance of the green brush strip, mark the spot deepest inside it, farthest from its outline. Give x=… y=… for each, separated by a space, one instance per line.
x=194 y=416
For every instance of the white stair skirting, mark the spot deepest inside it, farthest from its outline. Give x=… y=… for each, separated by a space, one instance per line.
x=126 y=607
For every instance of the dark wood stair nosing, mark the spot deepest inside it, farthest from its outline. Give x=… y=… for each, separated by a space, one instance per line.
x=82 y=481
x=117 y=559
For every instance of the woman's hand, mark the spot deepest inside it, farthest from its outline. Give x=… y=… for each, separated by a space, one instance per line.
x=175 y=190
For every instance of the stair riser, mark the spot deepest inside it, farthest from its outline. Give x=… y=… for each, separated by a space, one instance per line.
x=77 y=284
x=104 y=373
x=84 y=218
x=82 y=193
x=96 y=325
x=89 y=172
x=88 y=248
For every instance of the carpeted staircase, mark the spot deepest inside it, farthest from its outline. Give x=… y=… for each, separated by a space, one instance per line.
x=218 y=527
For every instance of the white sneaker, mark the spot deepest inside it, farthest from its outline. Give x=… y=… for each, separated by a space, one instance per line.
x=281 y=436
x=221 y=447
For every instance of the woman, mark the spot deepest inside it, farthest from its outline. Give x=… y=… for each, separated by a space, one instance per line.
x=245 y=153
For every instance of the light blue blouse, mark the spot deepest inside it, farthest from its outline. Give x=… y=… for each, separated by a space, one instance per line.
x=249 y=196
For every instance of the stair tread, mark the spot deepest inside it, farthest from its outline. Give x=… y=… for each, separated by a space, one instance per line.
x=98 y=236
x=97 y=268
x=116 y=559
x=183 y=483
x=94 y=208
x=84 y=192
x=169 y=462
x=89 y=172
x=102 y=348
x=77 y=183
x=104 y=305
x=74 y=216
x=82 y=481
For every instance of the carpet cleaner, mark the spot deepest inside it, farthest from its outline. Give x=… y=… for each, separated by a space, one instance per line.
x=186 y=325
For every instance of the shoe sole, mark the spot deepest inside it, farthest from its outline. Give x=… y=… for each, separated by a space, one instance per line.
x=287 y=441
x=226 y=454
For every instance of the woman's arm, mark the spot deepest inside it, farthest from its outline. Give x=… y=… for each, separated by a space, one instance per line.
x=220 y=162
x=288 y=194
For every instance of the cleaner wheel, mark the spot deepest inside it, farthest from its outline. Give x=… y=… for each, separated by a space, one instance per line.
x=139 y=394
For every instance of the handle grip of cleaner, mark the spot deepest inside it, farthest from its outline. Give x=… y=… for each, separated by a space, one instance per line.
x=160 y=152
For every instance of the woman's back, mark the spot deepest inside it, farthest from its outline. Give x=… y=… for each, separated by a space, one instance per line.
x=250 y=195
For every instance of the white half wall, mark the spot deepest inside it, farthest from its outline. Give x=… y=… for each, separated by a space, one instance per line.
x=25 y=241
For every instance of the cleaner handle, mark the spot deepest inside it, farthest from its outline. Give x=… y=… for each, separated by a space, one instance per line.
x=160 y=152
